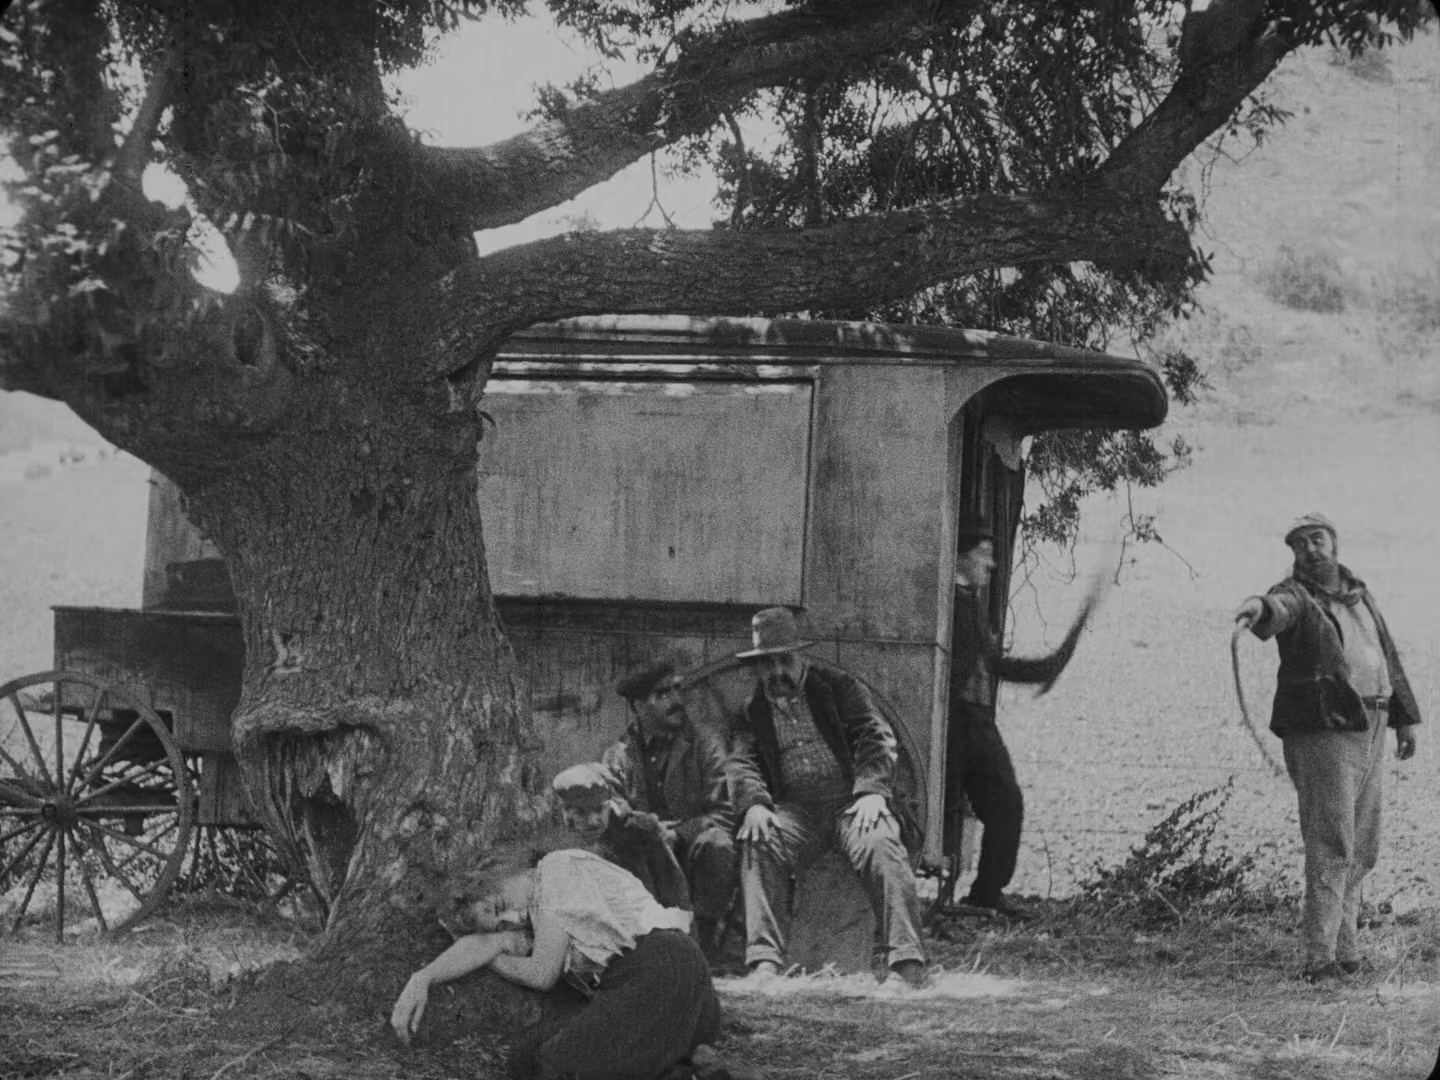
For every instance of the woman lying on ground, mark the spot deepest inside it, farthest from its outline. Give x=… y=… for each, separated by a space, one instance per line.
x=578 y=917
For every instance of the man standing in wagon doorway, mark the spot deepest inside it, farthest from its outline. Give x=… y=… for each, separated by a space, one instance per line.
x=978 y=764
x=812 y=765
x=1339 y=686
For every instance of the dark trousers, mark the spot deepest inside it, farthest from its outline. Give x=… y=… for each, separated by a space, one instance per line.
x=769 y=871
x=979 y=767
x=712 y=868
x=654 y=1004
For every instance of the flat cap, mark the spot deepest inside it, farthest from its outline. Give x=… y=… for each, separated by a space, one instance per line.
x=1311 y=521
x=641 y=682
x=586 y=786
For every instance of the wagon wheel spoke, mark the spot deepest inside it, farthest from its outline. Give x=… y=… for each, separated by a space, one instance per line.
x=109 y=755
x=14 y=765
x=59 y=876
x=81 y=850
x=115 y=871
x=9 y=867
x=59 y=716
x=139 y=845
x=4 y=837
x=34 y=880
x=15 y=801
x=91 y=719
x=150 y=770
x=134 y=856
x=30 y=738
x=99 y=813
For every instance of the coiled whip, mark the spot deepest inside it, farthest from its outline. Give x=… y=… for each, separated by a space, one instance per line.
x=1275 y=766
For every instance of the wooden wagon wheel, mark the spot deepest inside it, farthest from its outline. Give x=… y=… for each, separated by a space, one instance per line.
x=92 y=786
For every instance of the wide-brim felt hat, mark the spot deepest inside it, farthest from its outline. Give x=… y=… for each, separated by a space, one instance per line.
x=773 y=630
x=641 y=682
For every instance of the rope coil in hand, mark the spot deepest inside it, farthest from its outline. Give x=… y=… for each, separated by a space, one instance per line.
x=1275 y=766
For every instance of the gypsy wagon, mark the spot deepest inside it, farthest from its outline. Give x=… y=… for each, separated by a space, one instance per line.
x=654 y=481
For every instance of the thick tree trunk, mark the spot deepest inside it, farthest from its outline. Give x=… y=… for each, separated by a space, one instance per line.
x=380 y=727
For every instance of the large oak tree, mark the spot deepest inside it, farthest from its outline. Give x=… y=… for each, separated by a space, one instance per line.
x=322 y=419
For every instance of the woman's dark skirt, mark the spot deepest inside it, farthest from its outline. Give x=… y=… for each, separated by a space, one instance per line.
x=653 y=1005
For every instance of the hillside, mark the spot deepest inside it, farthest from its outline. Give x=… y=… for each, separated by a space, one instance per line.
x=1319 y=331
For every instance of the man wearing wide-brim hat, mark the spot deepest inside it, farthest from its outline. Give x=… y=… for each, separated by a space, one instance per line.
x=1339 y=686
x=812 y=766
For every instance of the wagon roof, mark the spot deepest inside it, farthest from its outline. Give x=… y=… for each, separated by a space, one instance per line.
x=1048 y=385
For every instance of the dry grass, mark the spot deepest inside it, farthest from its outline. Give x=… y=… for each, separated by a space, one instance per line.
x=1070 y=995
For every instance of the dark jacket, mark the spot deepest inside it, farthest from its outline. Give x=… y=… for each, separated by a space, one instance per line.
x=634 y=840
x=846 y=717
x=686 y=784
x=978 y=658
x=1312 y=688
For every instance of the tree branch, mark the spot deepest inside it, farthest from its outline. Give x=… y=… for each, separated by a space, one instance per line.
x=1227 y=52
x=134 y=153
x=863 y=261
x=508 y=181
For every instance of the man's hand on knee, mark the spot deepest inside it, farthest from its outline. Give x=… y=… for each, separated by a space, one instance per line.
x=758 y=826
x=869 y=810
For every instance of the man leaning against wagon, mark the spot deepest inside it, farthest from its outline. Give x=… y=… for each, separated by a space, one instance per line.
x=1339 y=686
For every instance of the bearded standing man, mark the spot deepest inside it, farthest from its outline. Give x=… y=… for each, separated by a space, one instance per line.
x=1340 y=685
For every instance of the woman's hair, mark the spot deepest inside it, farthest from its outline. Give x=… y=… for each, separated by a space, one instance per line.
x=486 y=880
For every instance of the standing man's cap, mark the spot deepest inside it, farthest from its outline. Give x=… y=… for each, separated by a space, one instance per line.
x=972 y=530
x=639 y=684
x=773 y=630
x=1311 y=521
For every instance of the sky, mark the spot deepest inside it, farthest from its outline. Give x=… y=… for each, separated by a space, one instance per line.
x=484 y=79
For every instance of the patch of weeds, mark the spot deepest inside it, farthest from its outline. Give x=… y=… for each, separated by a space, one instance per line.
x=1239 y=349
x=1371 y=65
x=1304 y=281
x=1416 y=300
x=1178 y=870
x=177 y=980
x=241 y=864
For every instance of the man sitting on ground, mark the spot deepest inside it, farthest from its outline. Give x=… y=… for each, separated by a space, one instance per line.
x=600 y=822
